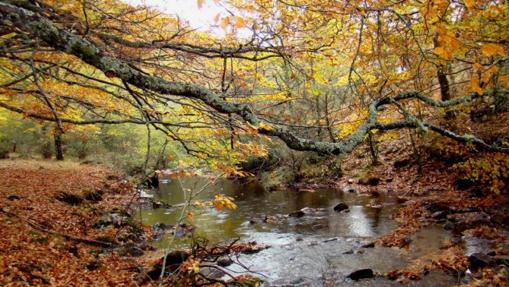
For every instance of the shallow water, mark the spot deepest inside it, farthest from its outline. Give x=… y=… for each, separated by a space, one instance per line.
x=320 y=248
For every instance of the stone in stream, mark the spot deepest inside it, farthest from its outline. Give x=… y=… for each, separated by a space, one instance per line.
x=160 y=204
x=173 y=261
x=340 y=207
x=369 y=245
x=158 y=230
x=348 y=189
x=438 y=215
x=224 y=261
x=361 y=274
x=297 y=214
x=479 y=260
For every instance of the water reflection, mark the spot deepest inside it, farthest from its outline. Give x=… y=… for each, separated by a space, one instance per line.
x=255 y=204
x=302 y=248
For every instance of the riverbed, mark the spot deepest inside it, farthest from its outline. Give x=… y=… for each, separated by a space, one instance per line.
x=318 y=247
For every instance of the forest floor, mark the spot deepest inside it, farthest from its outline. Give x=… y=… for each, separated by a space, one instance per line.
x=47 y=215
x=72 y=224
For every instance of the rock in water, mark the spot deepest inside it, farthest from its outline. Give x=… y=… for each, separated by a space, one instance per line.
x=173 y=261
x=340 y=207
x=479 y=260
x=224 y=261
x=297 y=214
x=361 y=274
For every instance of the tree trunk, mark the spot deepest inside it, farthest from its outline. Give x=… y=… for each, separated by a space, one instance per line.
x=46 y=150
x=58 y=146
x=444 y=83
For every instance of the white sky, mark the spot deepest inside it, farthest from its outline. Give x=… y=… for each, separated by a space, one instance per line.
x=187 y=10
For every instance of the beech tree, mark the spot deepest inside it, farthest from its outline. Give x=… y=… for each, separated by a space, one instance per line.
x=304 y=62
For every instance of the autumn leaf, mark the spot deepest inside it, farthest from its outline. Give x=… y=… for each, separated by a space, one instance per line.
x=265 y=127
x=223 y=202
x=489 y=73
x=240 y=22
x=470 y=4
x=442 y=53
x=504 y=80
x=225 y=22
x=490 y=49
x=475 y=85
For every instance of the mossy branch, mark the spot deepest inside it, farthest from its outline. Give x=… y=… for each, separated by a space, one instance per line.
x=44 y=29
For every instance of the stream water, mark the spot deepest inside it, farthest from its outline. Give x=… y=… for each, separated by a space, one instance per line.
x=318 y=249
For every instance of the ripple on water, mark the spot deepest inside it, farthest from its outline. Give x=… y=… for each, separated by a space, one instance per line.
x=302 y=252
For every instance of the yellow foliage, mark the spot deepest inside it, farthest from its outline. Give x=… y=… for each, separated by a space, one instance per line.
x=470 y=3
x=490 y=171
x=475 y=85
x=504 y=80
x=265 y=127
x=490 y=50
x=221 y=202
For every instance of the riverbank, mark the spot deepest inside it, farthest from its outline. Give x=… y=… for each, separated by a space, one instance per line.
x=49 y=214
x=446 y=185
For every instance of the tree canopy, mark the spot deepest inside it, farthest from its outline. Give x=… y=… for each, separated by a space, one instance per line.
x=318 y=75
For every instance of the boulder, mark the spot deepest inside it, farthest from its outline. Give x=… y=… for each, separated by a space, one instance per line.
x=479 y=260
x=340 y=207
x=361 y=274
x=159 y=228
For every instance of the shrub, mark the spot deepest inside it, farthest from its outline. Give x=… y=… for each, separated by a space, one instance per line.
x=491 y=170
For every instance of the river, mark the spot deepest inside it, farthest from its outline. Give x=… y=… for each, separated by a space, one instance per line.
x=318 y=249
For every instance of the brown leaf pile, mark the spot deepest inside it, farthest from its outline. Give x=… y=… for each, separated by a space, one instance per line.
x=31 y=256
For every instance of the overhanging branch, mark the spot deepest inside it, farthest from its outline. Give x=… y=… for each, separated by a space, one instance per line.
x=44 y=29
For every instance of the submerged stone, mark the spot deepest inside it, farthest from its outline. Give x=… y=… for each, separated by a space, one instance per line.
x=361 y=274
x=340 y=207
